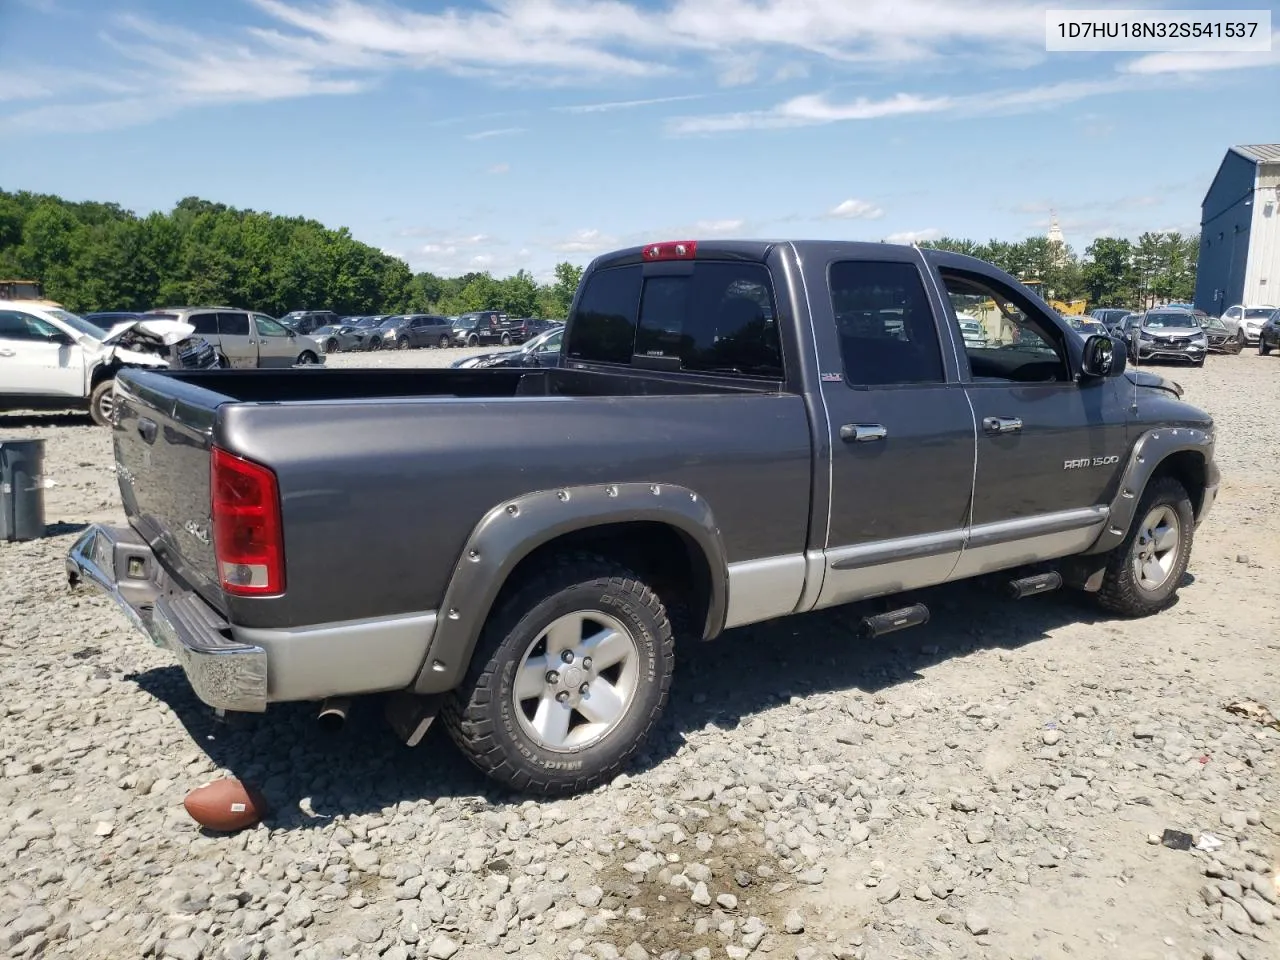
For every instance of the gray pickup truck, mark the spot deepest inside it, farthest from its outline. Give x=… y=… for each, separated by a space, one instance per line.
x=738 y=431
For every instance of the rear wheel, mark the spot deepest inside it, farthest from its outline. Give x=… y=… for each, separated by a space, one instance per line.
x=1146 y=569
x=570 y=675
x=442 y=342
x=306 y=358
x=331 y=345
x=473 y=341
x=506 y=340
x=403 y=343
x=1264 y=348
x=102 y=402
x=375 y=343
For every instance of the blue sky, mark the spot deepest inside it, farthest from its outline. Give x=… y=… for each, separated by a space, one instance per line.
x=516 y=133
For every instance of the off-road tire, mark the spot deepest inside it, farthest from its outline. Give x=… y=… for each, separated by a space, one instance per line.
x=100 y=402
x=1121 y=592
x=480 y=713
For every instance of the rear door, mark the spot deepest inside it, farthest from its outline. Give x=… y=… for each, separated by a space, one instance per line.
x=37 y=359
x=239 y=345
x=901 y=430
x=1049 y=447
x=277 y=346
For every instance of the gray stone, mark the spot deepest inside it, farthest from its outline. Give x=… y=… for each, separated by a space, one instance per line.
x=888 y=890
x=1234 y=916
x=793 y=922
x=701 y=895
x=976 y=924
x=635 y=952
x=568 y=919
x=185 y=949
x=589 y=897
x=1051 y=737
x=728 y=901
x=442 y=948
x=1258 y=910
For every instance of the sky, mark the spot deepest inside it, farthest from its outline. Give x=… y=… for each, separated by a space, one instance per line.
x=506 y=134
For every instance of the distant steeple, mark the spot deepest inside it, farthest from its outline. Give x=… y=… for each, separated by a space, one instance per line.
x=1055 y=229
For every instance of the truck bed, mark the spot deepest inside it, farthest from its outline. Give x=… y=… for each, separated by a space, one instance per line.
x=383 y=475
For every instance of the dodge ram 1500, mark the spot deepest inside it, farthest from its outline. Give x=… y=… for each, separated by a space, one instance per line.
x=737 y=431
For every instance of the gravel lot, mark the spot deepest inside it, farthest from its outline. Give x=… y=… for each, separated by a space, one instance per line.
x=985 y=786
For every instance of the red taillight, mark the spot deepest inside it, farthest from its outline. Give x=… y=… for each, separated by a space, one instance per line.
x=672 y=250
x=248 y=540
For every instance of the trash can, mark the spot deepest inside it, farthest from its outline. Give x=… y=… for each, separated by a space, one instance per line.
x=21 y=489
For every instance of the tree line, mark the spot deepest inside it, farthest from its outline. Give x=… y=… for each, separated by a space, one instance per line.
x=1114 y=271
x=99 y=256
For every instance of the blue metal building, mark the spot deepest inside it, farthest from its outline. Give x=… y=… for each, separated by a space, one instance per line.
x=1239 y=242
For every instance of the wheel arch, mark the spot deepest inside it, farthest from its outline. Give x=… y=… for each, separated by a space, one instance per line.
x=1184 y=453
x=663 y=531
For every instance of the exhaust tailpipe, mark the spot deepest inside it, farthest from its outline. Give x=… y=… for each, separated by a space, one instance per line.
x=333 y=714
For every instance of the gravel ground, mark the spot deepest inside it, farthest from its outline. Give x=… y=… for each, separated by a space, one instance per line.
x=989 y=785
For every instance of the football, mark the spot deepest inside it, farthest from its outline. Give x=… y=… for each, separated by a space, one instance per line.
x=225 y=805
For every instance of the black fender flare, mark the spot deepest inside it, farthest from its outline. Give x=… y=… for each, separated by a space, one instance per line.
x=515 y=528
x=1151 y=450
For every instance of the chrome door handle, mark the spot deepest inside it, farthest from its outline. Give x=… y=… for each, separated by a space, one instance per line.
x=862 y=432
x=1002 y=424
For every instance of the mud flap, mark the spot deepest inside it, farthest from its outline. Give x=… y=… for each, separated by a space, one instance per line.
x=410 y=715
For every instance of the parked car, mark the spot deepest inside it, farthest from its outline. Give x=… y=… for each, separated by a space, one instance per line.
x=308 y=321
x=673 y=462
x=971 y=330
x=525 y=328
x=1164 y=334
x=1109 y=316
x=1086 y=326
x=1248 y=319
x=1269 y=334
x=542 y=351
x=1219 y=336
x=416 y=330
x=337 y=337
x=483 y=326
x=368 y=332
x=246 y=339
x=53 y=359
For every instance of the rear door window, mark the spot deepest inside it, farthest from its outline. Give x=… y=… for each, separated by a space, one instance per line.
x=206 y=324
x=604 y=327
x=233 y=324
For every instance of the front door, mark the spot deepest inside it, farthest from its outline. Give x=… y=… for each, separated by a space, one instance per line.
x=36 y=358
x=1049 y=446
x=277 y=347
x=239 y=345
x=902 y=434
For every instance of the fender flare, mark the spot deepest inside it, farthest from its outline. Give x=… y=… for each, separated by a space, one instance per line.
x=515 y=528
x=1152 y=449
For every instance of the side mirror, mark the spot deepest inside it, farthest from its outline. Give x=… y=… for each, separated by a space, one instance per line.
x=62 y=339
x=1103 y=356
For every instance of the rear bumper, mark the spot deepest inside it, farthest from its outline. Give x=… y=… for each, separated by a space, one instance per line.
x=223 y=672
x=238 y=668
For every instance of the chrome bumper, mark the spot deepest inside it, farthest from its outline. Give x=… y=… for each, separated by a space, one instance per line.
x=223 y=672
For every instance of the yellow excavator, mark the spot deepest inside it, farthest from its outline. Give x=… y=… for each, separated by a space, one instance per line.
x=1068 y=308
x=31 y=291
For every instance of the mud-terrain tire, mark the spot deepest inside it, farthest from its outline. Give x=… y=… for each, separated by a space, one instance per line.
x=506 y=715
x=101 y=402
x=1145 y=571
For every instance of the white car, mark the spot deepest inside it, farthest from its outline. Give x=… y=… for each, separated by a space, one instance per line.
x=1248 y=319
x=53 y=359
x=971 y=330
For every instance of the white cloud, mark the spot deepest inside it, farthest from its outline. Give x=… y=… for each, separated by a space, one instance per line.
x=500 y=168
x=914 y=236
x=490 y=134
x=852 y=209
x=612 y=105
x=586 y=241
x=816 y=109
x=1203 y=62
x=718 y=228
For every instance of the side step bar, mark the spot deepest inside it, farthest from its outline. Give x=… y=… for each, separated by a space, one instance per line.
x=1035 y=584
x=877 y=625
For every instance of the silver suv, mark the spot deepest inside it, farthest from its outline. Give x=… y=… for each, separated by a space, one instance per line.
x=245 y=338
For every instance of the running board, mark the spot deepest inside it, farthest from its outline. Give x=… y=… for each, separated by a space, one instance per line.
x=877 y=625
x=1033 y=585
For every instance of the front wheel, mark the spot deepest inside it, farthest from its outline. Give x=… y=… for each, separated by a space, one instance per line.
x=443 y=342
x=1146 y=569
x=1237 y=344
x=331 y=345
x=306 y=358
x=570 y=675
x=404 y=343
x=1264 y=348
x=102 y=402
x=375 y=343
x=473 y=341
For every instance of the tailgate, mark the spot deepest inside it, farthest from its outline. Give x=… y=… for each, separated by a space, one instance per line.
x=162 y=437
